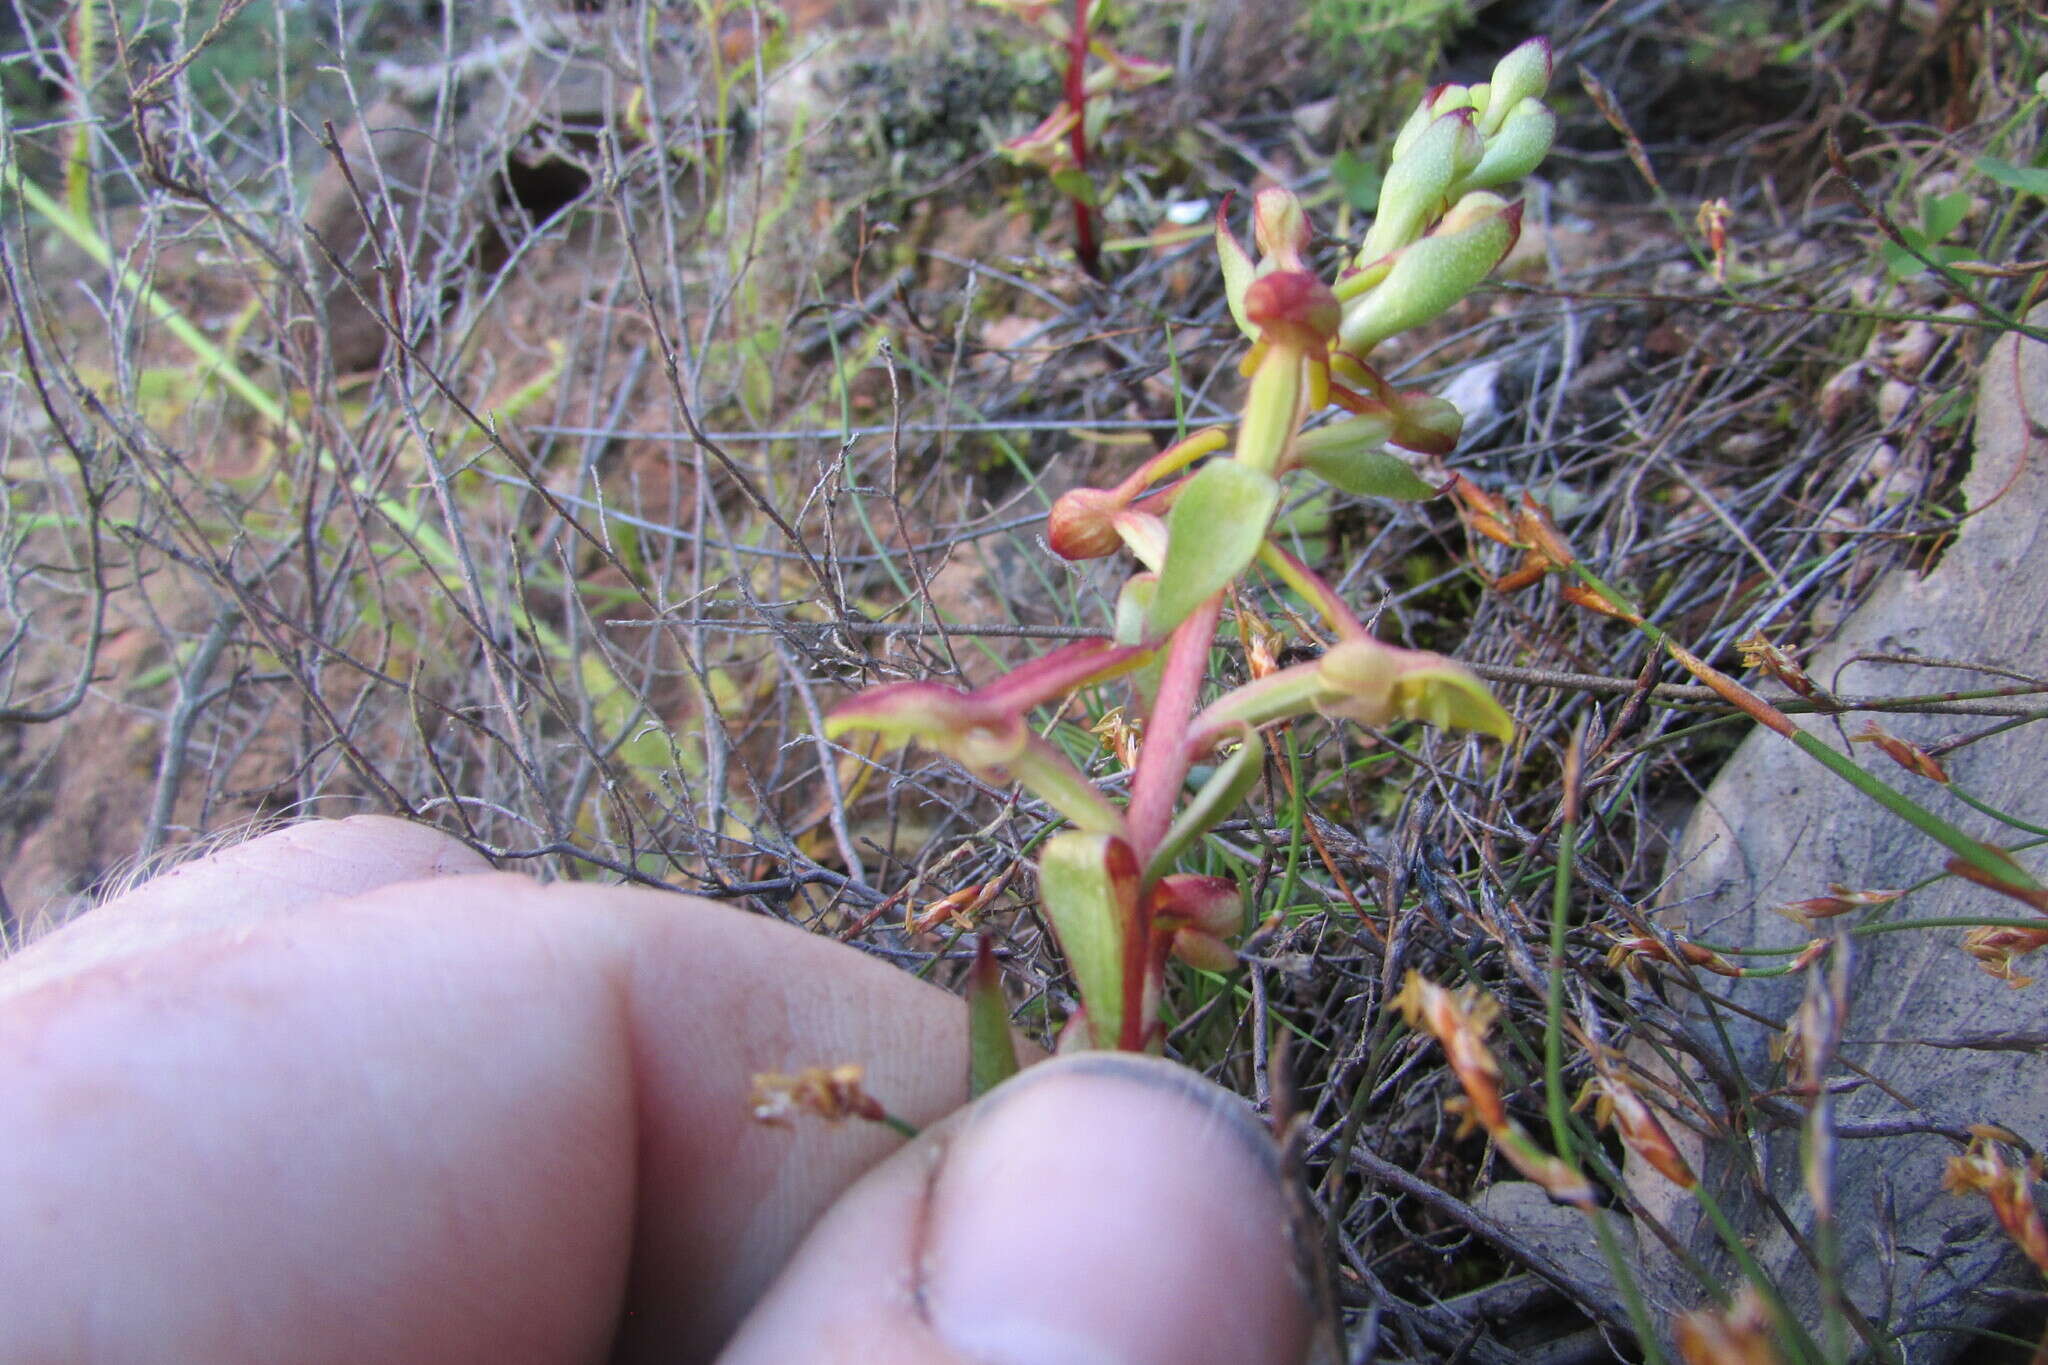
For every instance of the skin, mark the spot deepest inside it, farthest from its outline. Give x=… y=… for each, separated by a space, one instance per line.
x=343 y=1093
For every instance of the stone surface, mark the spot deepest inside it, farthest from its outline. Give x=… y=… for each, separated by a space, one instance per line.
x=1776 y=827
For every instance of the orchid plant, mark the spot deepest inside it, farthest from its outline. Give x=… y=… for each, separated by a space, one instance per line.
x=1198 y=516
x=1095 y=73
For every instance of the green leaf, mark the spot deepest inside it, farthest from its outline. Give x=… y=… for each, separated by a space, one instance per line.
x=1133 y=605
x=1358 y=179
x=1216 y=527
x=1941 y=214
x=991 y=1050
x=2026 y=179
x=1076 y=185
x=1088 y=887
x=1227 y=786
x=1368 y=473
x=1239 y=271
x=1904 y=264
x=1450 y=698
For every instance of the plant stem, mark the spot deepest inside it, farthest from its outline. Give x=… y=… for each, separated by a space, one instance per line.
x=1791 y=1332
x=1085 y=245
x=1631 y=1292
x=1560 y=908
x=1163 y=757
x=1311 y=586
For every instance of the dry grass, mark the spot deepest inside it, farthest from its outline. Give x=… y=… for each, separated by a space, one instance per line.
x=631 y=494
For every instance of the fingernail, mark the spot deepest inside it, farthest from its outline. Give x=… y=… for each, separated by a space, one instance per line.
x=1110 y=1209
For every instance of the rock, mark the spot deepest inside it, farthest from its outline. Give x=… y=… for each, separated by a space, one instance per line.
x=442 y=194
x=1776 y=827
x=1563 y=1235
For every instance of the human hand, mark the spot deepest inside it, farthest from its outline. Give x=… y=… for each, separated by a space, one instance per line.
x=342 y=1093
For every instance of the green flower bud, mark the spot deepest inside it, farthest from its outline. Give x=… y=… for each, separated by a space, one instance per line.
x=1472 y=208
x=1418 y=181
x=1425 y=422
x=1082 y=524
x=1522 y=142
x=1424 y=115
x=1522 y=74
x=1434 y=273
x=1280 y=228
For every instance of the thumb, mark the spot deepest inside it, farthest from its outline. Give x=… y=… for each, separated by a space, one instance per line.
x=1105 y=1209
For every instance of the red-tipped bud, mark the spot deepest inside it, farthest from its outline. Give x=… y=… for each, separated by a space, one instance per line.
x=1517 y=148
x=1211 y=904
x=1641 y=1129
x=1121 y=71
x=1418 y=181
x=1083 y=524
x=1423 y=422
x=1293 y=308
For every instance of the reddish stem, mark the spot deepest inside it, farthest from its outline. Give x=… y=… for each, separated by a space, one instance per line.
x=1138 y=955
x=1163 y=760
x=1163 y=757
x=1077 y=99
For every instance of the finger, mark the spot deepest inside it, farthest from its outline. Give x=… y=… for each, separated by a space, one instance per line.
x=279 y=873
x=1104 y=1208
x=471 y=1118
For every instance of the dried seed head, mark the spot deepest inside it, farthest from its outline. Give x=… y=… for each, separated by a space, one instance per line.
x=1840 y=900
x=1814 y=951
x=961 y=905
x=1713 y=220
x=1983 y=1169
x=1632 y=954
x=1739 y=1334
x=1459 y=1022
x=1618 y=1104
x=833 y=1094
x=1905 y=753
x=1536 y=528
x=1759 y=653
x=1997 y=947
x=1121 y=734
x=1482 y=512
x=1261 y=658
